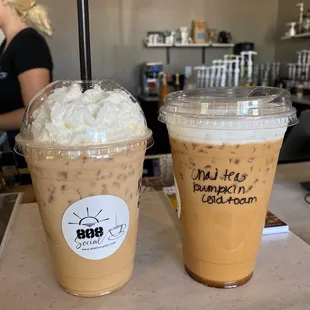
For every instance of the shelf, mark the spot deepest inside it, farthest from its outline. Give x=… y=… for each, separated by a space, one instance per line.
x=192 y=45
x=158 y=45
x=301 y=35
x=222 y=45
x=203 y=46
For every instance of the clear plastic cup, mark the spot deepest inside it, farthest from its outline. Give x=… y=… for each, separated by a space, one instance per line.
x=88 y=193
x=225 y=145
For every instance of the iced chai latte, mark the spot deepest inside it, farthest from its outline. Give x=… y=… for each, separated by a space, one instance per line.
x=85 y=152
x=225 y=145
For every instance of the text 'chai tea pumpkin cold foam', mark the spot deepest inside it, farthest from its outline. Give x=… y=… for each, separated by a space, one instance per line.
x=225 y=145
x=85 y=153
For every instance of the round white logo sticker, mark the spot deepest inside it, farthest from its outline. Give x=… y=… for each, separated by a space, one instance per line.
x=95 y=227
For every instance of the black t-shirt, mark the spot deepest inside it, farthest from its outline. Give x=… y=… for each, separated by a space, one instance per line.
x=27 y=50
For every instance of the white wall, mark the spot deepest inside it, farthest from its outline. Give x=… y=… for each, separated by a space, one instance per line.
x=119 y=26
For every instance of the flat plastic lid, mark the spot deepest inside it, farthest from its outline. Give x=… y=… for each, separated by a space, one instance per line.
x=75 y=114
x=229 y=104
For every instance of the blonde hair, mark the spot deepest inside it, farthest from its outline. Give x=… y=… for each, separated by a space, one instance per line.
x=35 y=13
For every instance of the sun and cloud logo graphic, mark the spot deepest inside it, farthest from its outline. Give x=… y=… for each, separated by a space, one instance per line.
x=88 y=220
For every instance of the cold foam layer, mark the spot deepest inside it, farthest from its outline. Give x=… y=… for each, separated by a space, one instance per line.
x=229 y=132
x=70 y=117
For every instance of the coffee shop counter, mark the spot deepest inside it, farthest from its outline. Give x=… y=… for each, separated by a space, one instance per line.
x=281 y=279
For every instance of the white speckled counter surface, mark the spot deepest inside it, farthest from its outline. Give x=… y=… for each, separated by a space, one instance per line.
x=281 y=279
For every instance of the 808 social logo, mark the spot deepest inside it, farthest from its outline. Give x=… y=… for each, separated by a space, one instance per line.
x=95 y=227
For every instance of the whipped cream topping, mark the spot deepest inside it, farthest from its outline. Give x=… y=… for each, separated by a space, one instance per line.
x=70 y=117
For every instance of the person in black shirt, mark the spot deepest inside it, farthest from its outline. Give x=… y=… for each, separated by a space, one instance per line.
x=25 y=61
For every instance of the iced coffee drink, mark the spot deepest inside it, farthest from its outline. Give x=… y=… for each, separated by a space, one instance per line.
x=85 y=151
x=225 y=145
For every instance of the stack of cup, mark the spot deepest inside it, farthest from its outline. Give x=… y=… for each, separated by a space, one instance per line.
x=225 y=145
x=85 y=153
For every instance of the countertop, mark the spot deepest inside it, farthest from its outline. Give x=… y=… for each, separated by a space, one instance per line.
x=305 y=100
x=148 y=98
x=8 y=207
x=281 y=279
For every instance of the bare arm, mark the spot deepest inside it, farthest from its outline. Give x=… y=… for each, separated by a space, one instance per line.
x=31 y=82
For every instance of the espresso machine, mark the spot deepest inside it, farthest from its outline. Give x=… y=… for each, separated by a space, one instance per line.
x=150 y=78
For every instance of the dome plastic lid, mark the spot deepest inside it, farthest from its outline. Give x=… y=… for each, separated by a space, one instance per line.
x=75 y=114
x=229 y=105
